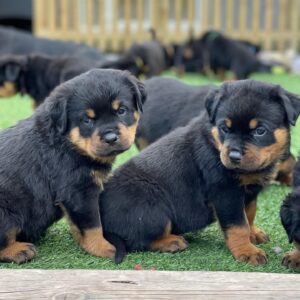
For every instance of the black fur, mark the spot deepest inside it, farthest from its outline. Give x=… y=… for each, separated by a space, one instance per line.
x=38 y=75
x=180 y=179
x=43 y=167
x=14 y=41
x=170 y=104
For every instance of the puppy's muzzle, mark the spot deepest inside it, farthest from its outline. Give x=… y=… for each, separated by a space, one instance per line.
x=235 y=156
x=110 y=138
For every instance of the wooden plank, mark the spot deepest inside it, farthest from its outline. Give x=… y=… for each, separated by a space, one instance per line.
x=140 y=19
x=99 y=284
x=217 y=14
x=191 y=15
x=38 y=7
x=229 y=16
x=204 y=14
x=101 y=25
x=127 y=30
x=294 y=23
x=268 y=24
x=242 y=18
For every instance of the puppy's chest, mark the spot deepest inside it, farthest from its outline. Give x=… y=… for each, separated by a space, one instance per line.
x=100 y=177
x=260 y=178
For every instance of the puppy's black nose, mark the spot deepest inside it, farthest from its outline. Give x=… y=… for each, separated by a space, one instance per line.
x=110 y=138
x=235 y=156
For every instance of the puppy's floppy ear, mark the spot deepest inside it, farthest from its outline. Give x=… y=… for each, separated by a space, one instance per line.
x=291 y=103
x=59 y=115
x=139 y=91
x=12 y=71
x=212 y=102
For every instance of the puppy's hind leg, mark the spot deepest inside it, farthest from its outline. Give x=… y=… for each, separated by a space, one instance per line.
x=169 y=242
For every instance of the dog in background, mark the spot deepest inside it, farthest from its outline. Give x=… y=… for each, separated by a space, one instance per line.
x=38 y=75
x=56 y=161
x=148 y=58
x=211 y=169
x=290 y=218
x=19 y=42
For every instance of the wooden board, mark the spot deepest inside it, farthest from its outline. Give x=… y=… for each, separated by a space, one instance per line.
x=98 y=284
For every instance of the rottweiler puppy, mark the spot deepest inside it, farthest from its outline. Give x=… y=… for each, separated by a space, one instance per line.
x=14 y=41
x=171 y=104
x=290 y=218
x=211 y=169
x=147 y=58
x=38 y=75
x=55 y=162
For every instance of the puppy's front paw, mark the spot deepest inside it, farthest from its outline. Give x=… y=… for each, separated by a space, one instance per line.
x=250 y=254
x=258 y=236
x=18 y=253
x=292 y=259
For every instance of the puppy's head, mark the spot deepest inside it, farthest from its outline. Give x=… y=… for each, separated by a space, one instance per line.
x=97 y=112
x=290 y=215
x=11 y=71
x=250 y=123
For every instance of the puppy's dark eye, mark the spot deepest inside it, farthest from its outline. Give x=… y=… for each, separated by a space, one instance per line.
x=223 y=128
x=88 y=122
x=260 y=131
x=122 y=111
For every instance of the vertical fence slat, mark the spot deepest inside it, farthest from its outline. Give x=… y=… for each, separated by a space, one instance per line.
x=101 y=24
x=114 y=35
x=127 y=31
x=191 y=14
x=268 y=37
x=178 y=20
x=229 y=16
x=38 y=16
x=282 y=24
x=52 y=19
x=217 y=15
x=255 y=21
x=89 y=21
x=242 y=18
x=64 y=18
x=140 y=19
x=204 y=14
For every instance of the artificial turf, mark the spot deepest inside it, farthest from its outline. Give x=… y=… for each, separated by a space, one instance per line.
x=206 y=250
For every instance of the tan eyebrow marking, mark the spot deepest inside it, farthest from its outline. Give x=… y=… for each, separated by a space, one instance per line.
x=90 y=113
x=115 y=104
x=253 y=123
x=228 y=123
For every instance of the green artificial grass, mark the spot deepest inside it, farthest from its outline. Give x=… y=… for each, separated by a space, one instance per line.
x=206 y=250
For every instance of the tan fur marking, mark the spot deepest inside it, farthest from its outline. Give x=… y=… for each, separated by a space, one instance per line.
x=260 y=178
x=238 y=241
x=127 y=134
x=136 y=116
x=18 y=252
x=91 y=240
x=257 y=236
x=100 y=178
x=285 y=171
x=215 y=135
x=168 y=242
x=292 y=259
x=253 y=124
x=90 y=113
x=141 y=143
x=8 y=89
x=115 y=104
x=88 y=146
x=228 y=123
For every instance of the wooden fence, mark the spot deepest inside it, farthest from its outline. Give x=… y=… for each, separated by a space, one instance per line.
x=116 y=24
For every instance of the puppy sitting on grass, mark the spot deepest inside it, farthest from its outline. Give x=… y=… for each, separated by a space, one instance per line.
x=211 y=169
x=56 y=161
x=290 y=218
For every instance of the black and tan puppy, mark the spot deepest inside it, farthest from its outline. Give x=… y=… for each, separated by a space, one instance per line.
x=171 y=104
x=38 y=75
x=147 y=58
x=290 y=218
x=56 y=161
x=211 y=169
x=19 y=42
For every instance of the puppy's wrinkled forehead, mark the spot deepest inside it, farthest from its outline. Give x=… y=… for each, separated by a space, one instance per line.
x=99 y=93
x=243 y=102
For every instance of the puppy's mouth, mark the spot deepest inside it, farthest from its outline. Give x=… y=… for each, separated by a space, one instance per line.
x=104 y=151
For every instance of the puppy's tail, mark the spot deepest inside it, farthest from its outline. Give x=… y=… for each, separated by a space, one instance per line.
x=119 y=244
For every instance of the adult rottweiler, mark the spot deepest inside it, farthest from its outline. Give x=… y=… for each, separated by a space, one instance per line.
x=38 y=75
x=171 y=104
x=14 y=41
x=211 y=169
x=290 y=218
x=55 y=162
